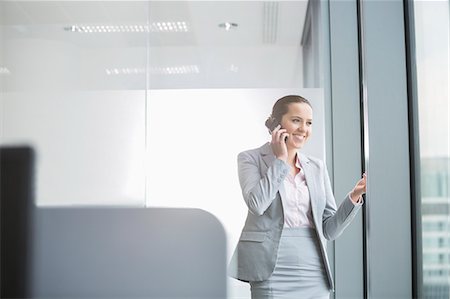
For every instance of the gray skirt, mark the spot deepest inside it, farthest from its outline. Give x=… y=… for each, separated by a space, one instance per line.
x=299 y=271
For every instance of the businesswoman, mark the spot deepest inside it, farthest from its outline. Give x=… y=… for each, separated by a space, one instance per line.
x=291 y=211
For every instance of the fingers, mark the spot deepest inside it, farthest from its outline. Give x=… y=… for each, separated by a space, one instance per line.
x=360 y=187
x=363 y=180
x=278 y=145
x=279 y=134
x=283 y=136
x=362 y=183
x=277 y=131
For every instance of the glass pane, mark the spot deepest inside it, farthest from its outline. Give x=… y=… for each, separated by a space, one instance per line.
x=74 y=90
x=431 y=22
x=214 y=73
x=149 y=102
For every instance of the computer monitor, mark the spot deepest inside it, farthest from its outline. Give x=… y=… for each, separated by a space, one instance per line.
x=16 y=202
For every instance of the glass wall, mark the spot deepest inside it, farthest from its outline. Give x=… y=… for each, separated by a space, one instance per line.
x=431 y=34
x=148 y=103
x=74 y=89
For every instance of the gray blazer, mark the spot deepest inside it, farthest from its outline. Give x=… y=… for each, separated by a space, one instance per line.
x=261 y=178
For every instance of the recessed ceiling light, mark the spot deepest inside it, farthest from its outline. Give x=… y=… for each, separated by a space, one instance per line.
x=170 y=70
x=233 y=68
x=228 y=26
x=125 y=71
x=153 y=27
x=4 y=71
x=175 y=70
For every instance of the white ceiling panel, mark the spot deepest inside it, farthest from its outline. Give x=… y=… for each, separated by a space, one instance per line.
x=264 y=49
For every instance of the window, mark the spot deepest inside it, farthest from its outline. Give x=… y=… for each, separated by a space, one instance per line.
x=429 y=54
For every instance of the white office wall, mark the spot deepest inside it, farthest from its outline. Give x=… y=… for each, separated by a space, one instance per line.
x=194 y=137
x=89 y=146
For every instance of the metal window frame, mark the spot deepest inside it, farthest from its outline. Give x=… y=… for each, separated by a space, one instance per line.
x=344 y=123
x=378 y=92
x=377 y=267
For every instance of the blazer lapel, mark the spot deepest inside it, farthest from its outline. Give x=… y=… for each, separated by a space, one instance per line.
x=310 y=173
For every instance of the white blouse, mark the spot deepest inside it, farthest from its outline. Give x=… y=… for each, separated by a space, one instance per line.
x=297 y=204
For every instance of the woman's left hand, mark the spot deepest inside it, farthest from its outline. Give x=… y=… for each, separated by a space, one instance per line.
x=359 y=189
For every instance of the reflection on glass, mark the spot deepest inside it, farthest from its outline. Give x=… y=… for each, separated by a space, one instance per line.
x=73 y=75
x=431 y=22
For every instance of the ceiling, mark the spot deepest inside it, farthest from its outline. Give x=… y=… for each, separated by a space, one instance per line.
x=264 y=49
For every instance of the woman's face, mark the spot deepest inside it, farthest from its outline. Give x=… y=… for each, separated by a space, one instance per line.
x=298 y=123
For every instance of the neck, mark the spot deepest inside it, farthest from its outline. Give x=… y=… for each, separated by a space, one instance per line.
x=291 y=156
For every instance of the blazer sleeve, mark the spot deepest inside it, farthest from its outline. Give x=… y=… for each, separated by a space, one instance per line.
x=259 y=191
x=334 y=219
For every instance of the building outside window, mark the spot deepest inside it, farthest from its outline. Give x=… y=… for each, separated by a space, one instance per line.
x=431 y=56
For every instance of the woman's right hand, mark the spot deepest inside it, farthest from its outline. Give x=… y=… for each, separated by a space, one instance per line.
x=278 y=143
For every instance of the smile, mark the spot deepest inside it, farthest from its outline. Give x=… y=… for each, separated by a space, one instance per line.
x=299 y=137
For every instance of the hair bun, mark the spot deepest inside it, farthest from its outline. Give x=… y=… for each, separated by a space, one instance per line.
x=270 y=122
